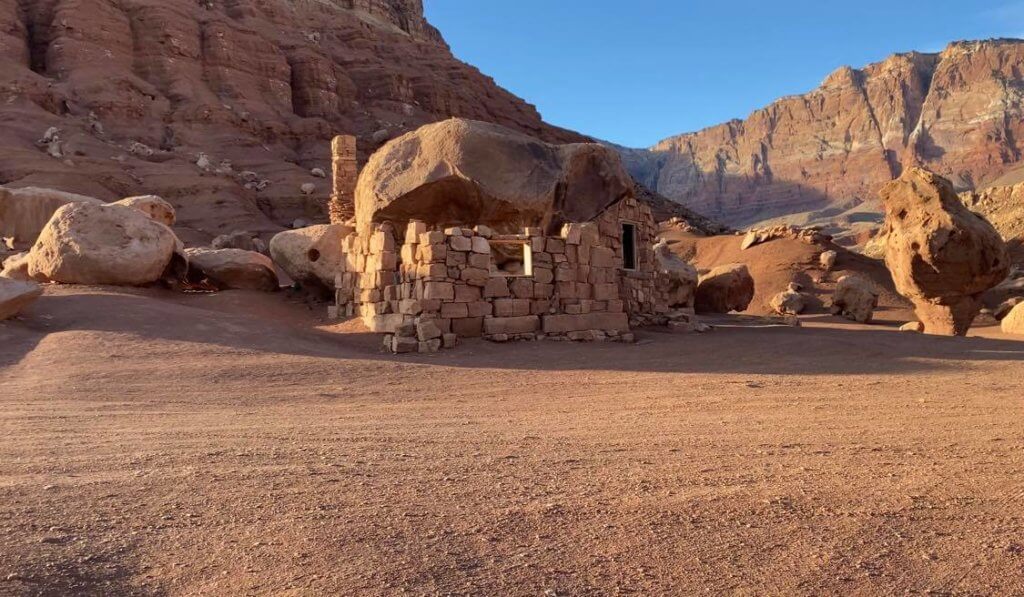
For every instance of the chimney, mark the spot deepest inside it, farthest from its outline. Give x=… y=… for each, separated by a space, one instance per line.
x=342 y=206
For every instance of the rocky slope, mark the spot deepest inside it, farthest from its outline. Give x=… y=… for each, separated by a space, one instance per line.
x=958 y=113
x=223 y=106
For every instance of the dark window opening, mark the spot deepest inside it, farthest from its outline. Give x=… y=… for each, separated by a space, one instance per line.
x=511 y=259
x=629 y=246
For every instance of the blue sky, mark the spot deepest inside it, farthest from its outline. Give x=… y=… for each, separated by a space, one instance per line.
x=636 y=71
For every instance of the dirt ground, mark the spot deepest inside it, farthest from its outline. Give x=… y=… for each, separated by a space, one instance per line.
x=227 y=444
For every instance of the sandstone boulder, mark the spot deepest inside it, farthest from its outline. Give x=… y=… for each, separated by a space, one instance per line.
x=1014 y=322
x=86 y=243
x=311 y=255
x=233 y=268
x=724 y=289
x=463 y=171
x=855 y=298
x=789 y=302
x=16 y=267
x=827 y=260
x=682 y=277
x=15 y=295
x=24 y=212
x=151 y=205
x=915 y=327
x=941 y=255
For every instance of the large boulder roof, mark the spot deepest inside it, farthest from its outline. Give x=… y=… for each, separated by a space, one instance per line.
x=465 y=172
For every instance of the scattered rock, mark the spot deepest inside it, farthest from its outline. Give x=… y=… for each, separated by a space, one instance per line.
x=308 y=188
x=1014 y=322
x=240 y=239
x=682 y=276
x=233 y=268
x=311 y=255
x=318 y=172
x=941 y=255
x=724 y=289
x=203 y=162
x=85 y=243
x=855 y=298
x=151 y=205
x=15 y=295
x=763 y=235
x=140 y=149
x=789 y=302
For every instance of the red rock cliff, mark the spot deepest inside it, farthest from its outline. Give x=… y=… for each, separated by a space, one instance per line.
x=252 y=90
x=958 y=113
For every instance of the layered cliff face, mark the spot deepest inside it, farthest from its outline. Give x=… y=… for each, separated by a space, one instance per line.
x=958 y=113
x=224 y=107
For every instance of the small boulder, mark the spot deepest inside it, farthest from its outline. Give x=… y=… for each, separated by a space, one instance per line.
x=724 y=289
x=999 y=312
x=15 y=295
x=682 y=277
x=1014 y=322
x=827 y=259
x=789 y=302
x=855 y=298
x=308 y=188
x=233 y=268
x=912 y=327
x=16 y=267
x=318 y=172
x=239 y=239
x=942 y=256
x=85 y=243
x=151 y=205
x=311 y=255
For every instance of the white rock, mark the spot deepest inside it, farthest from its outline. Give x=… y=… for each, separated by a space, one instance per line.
x=15 y=295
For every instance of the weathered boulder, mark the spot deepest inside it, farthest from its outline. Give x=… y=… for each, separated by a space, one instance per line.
x=789 y=302
x=682 y=277
x=724 y=289
x=233 y=268
x=15 y=295
x=827 y=259
x=1014 y=322
x=24 y=212
x=240 y=239
x=855 y=298
x=1004 y=308
x=311 y=255
x=16 y=267
x=941 y=255
x=763 y=235
x=463 y=171
x=86 y=243
x=151 y=205
x=915 y=327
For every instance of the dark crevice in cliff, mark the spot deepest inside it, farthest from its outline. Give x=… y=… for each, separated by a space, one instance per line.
x=37 y=19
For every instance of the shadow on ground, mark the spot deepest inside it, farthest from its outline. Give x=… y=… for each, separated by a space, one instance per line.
x=738 y=345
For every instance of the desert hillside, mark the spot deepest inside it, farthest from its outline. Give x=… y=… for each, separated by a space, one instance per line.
x=958 y=113
x=223 y=107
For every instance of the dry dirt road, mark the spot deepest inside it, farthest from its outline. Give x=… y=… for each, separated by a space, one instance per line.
x=225 y=445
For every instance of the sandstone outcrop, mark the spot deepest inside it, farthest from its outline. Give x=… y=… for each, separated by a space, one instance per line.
x=725 y=289
x=311 y=255
x=762 y=235
x=958 y=112
x=24 y=212
x=151 y=205
x=84 y=243
x=855 y=298
x=1014 y=322
x=233 y=269
x=941 y=255
x=15 y=295
x=460 y=171
x=682 y=277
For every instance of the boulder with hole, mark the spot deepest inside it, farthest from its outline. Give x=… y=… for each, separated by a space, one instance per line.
x=311 y=255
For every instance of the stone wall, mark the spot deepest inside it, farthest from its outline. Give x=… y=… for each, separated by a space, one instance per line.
x=434 y=286
x=345 y=172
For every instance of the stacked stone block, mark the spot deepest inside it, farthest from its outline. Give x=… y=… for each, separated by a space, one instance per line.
x=439 y=285
x=345 y=171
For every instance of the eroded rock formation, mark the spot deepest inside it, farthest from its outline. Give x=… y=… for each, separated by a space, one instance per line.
x=941 y=255
x=959 y=113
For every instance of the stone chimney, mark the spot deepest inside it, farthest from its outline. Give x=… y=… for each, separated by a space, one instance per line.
x=342 y=206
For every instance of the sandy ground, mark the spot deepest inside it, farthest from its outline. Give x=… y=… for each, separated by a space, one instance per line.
x=222 y=445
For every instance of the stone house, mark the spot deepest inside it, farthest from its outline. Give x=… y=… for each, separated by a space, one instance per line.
x=425 y=282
